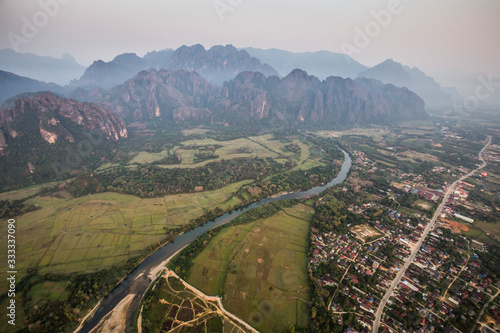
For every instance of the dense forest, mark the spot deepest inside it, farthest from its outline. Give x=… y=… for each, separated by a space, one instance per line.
x=31 y=160
x=152 y=181
x=149 y=180
x=332 y=214
x=11 y=208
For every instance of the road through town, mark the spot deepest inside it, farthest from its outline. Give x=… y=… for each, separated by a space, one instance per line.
x=409 y=260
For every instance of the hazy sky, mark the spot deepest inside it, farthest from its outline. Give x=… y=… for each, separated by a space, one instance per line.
x=438 y=36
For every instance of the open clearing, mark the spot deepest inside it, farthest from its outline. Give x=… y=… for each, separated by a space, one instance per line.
x=488 y=227
x=25 y=192
x=146 y=157
x=456 y=227
x=195 y=131
x=366 y=232
x=261 y=269
x=102 y=230
x=376 y=133
x=261 y=146
x=423 y=204
x=484 y=232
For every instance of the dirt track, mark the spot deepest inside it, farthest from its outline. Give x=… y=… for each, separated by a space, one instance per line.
x=221 y=311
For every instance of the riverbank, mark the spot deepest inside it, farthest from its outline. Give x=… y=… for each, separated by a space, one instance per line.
x=138 y=281
x=115 y=320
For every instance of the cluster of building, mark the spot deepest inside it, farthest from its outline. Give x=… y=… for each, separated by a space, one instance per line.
x=427 y=194
x=329 y=246
x=365 y=269
x=444 y=278
x=439 y=283
x=360 y=158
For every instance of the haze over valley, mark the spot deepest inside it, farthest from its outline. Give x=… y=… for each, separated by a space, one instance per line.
x=233 y=166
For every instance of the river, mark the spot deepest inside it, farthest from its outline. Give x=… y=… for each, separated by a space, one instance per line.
x=137 y=282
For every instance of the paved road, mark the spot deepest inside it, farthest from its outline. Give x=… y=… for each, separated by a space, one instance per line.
x=409 y=260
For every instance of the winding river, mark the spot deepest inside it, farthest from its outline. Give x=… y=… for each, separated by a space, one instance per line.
x=137 y=282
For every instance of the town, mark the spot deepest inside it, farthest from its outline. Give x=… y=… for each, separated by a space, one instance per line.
x=446 y=284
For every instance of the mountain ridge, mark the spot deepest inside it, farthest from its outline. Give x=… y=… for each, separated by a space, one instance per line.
x=124 y=66
x=302 y=98
x=48 y=108
x=44 y=136
x=42 y=68
x=321 y=64
x=390 y=71
x=182 y=96
x=12 y=84
x=217 y=64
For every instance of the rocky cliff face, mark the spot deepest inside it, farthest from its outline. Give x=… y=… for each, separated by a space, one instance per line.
x=57 y=119
x=45 y=137
x=172 y=95
x=182 y=96
x=3 y=143
x=299 y=98
x=218 y=64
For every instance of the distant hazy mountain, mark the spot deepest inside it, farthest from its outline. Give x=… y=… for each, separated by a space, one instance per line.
x=123 y=67
x=470 y=83
x=414 y=79
x=48 y=69
x=321 y=64
x=12 y=84
x=158 y=59
x=181 y=96
x=218 y=64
